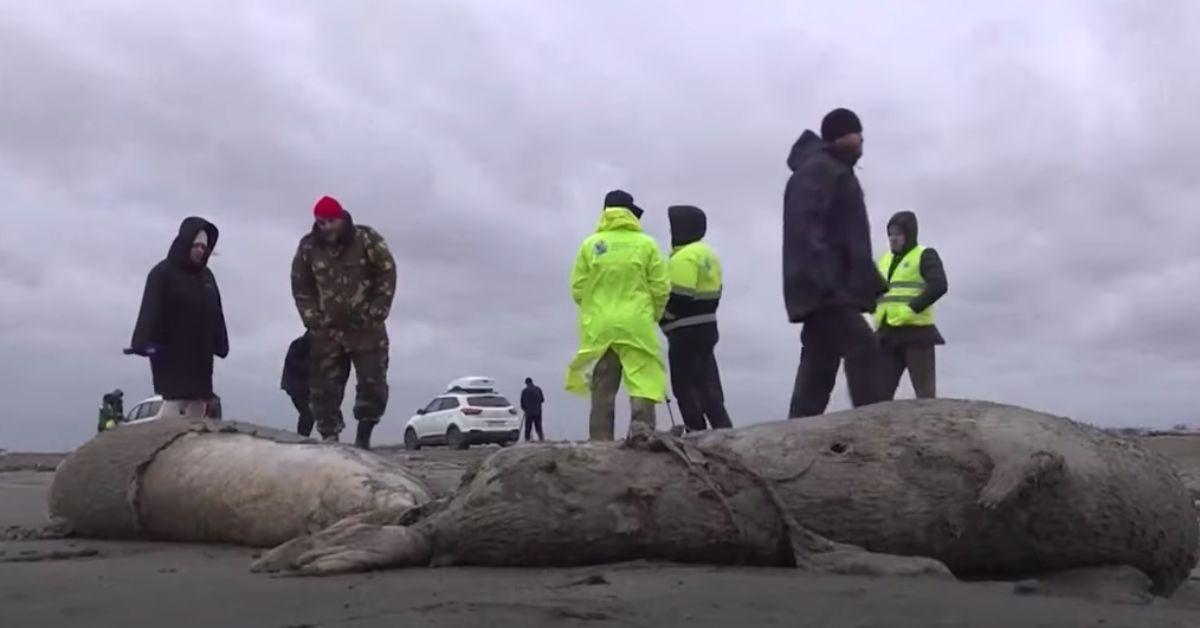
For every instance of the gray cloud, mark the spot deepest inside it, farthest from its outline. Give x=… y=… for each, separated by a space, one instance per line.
x=1048 y=151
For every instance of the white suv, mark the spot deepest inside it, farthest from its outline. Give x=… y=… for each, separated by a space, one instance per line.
x=470 y=412
x=153 y=408
x=146 y=410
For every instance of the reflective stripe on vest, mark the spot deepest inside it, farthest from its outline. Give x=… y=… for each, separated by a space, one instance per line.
x=905 y=284
x=698 y=319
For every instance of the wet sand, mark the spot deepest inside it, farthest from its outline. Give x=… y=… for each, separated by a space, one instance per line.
x=79 y=582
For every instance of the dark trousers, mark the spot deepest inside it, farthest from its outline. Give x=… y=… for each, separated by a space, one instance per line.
x=830 y=336
x=918 y=361
x=304 y=425
x=532 y=422
x=695 y=377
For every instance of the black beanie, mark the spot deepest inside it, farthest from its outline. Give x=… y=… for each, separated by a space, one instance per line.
x=618 y=198
x=838 y=123
x=621 y=198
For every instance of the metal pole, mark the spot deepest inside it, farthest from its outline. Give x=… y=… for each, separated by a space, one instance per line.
x=675 y=429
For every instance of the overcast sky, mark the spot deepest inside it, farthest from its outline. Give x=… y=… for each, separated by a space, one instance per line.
x=1049 y=150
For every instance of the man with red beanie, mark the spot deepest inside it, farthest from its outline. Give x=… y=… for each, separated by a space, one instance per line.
x=344 y=281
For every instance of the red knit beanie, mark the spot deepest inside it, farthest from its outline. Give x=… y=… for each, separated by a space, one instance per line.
x=328 y=208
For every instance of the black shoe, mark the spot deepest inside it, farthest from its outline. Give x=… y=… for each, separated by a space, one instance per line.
x=362 y=440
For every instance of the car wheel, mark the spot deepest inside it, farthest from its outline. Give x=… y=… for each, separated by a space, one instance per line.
x=410 y=440
x=454 y=438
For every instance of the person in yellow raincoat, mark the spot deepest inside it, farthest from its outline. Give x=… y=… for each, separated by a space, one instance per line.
x=620 y=284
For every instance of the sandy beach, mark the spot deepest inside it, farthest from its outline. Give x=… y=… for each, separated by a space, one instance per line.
x=80 y=582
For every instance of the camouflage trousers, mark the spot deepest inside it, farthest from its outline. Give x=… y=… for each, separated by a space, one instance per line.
x=333 y=352
x=606 y=381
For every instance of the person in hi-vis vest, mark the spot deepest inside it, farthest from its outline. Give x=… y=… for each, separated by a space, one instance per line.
x=690 y=321
x=904 y=315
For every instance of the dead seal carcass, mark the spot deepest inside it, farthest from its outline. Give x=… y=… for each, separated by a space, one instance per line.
x=987 y=490
x=220 y=481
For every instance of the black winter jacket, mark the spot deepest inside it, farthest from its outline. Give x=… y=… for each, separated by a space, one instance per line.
x=181 y=316
x=295 y=366
x=532 y=400
x=827 y=259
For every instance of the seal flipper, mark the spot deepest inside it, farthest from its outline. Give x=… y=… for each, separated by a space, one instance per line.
x=362 y=542
x=855 y=561
x=817 y=553
x=367 y=547
x=1011 y=474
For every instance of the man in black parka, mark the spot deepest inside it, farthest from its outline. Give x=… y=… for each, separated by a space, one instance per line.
x=829 y=274
x=531 y=404
x=181 y=324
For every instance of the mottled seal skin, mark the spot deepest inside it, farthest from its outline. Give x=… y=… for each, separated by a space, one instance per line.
x=987 y=490
x=220 y=481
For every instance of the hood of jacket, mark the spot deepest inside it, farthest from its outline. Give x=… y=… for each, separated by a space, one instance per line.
x=808 y=144
x=907 y=221
x=618 y=219
x=688 y=224
x=181 y=247
x=345 y=237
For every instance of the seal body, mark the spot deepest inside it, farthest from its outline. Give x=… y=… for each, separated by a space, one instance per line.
x=990 y=490
x=987 y=490
x=220 y=481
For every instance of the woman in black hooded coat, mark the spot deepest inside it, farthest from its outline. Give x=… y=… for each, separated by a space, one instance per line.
x=181 y=325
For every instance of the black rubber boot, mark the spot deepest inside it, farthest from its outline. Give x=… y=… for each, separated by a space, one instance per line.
x=362 y=439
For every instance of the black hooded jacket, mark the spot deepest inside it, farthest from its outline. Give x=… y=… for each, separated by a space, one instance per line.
x=532 y=400
x=182 y=318
x=827 y=258
x=935 y=286
x=295 y=366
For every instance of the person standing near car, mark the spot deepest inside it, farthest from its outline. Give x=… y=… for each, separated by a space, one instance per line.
x=619 y=283
x=112 y=410
x=690 y=321
x=295 y=380
x=829 y=274
x=904 y=316
x=343 y=282
x=181 y=323
x=531 y=405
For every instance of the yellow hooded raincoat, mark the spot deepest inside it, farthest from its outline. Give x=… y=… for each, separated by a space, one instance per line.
x=621 y=286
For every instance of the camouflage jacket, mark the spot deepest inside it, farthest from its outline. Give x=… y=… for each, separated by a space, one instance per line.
x=345 y=285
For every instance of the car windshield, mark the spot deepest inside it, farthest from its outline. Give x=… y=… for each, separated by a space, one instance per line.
x=488 y=401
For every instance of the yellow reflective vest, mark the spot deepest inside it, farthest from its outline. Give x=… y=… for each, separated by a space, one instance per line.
x=620 y=284
x=905 y=284
x=695 y=273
